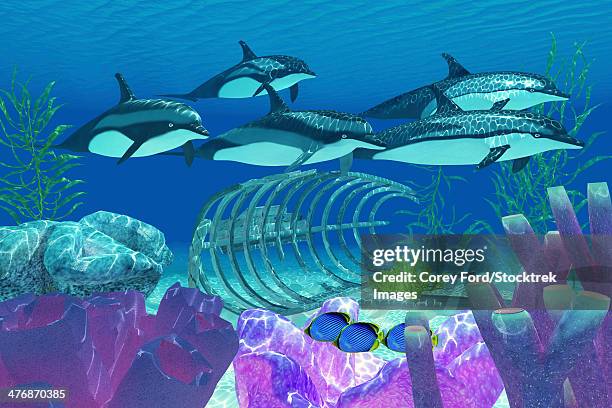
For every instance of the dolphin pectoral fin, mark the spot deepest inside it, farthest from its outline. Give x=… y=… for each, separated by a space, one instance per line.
x=499 y=105
x=189 y=151
x=130 y=151
x=520 y=164
x=294 y=92
x=494 y=154
x=345 y=164
x=302 y=159
x=261 y=88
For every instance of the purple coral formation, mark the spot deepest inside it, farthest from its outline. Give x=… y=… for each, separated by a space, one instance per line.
x=552 y=346
x=108 y=352
x=279 y=366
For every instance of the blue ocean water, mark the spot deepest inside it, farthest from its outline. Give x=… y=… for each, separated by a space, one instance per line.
x=363 y=52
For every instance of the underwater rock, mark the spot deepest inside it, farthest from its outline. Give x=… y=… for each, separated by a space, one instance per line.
x=330 y=370
x=51 y=344
x=82 y=260
x=337 y=370
x=326 y=377
x=110 y=353
x=21 y=268
x=178 y=370
x=194 y=316
x=103 y=252
x=475 y=367
x=393 y=387
x=455 y=335
x=134 y=234
x=273 y=380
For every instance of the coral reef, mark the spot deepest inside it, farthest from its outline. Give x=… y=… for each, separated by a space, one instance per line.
x=553 y=343
x=101 y=252
x=108 y=352
x=35 y=185
x=294 y=370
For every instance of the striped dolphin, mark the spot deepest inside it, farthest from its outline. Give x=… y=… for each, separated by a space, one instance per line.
x=291 y=138
x=455 y=137
x=246 y=79
x=138 y=127
x=471 y=92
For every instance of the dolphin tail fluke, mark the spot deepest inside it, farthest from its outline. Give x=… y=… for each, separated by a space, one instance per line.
x=187 y=96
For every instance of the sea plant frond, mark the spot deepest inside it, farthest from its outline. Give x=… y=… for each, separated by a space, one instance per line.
x=35 y=185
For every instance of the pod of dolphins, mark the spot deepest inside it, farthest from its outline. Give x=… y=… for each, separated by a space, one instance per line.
x=464 y=119
x=357 y=337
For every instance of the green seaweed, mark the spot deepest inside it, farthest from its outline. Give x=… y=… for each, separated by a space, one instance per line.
x=525 y=192
x=435 y=216
x=34 y=185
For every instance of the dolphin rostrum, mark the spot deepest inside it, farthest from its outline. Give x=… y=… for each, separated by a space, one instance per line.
x=246 y=79
x=482 y=137
x=471 y=92
x=139 y=127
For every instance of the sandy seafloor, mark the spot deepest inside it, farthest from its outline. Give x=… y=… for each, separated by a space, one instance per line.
x=225 y=393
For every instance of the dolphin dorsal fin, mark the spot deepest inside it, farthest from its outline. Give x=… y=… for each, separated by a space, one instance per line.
x=444 y=104
x=124 y=89
x=499 y=105
x=455 y=69
x=247 y=53
x=276 y=102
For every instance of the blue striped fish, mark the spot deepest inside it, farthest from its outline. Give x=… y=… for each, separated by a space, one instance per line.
x=359 y=338
x=395 y=340
x=327 y=326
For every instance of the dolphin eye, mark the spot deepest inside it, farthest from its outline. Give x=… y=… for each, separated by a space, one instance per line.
x=344 y=135
x=170 y=124
x=536 y=135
